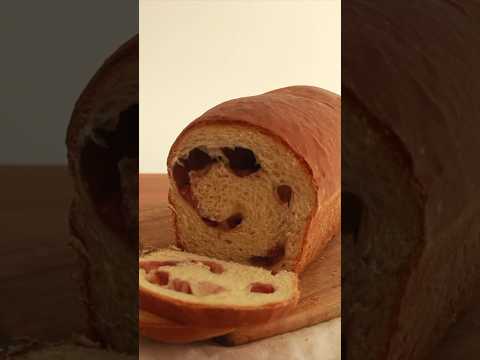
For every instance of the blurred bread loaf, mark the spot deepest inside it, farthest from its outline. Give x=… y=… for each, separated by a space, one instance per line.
x=102 y=143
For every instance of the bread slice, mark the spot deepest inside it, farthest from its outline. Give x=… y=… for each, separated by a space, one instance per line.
x=257 y=180
x=202 y=291
x=164 y=330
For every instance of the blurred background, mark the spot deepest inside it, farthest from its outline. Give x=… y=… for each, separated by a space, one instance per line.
x=196 y=54
x=50 y=50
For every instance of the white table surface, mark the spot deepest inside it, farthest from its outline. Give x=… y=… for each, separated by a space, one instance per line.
x=321 y=341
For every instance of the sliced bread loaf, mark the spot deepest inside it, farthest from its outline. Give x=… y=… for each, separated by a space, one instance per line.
x=257 y=180
x=198 y=290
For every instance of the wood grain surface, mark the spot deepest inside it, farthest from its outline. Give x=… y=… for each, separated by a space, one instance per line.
x=39 y=296
x=320 y=283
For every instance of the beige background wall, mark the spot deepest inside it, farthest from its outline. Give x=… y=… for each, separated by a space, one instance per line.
x=196 y=54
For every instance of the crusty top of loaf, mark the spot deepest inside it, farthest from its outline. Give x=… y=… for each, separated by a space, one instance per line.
x=436 y=116
x=305 y=118
x=108 y=85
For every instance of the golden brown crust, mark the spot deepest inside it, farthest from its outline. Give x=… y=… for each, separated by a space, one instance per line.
x=105 y=248
x=324 y=226
x=113 y=89
x=114 y=86
x=307 y=120
x=164 y=330
x=114 y=69
x=212 y=316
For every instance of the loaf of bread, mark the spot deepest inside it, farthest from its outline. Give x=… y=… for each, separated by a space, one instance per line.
x=410 y=173
x=102 y=143
x=257 y=180
x=201 y=291
x=161 y=329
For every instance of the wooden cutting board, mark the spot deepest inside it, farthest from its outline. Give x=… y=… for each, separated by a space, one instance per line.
x=39 y=298
x=319 y=284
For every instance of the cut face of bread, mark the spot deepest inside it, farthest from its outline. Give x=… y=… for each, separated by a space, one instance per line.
x=240 y=195
x=257 y=180
x=198 y=290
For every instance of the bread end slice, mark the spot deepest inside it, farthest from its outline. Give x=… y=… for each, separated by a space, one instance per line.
x=201 y=291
